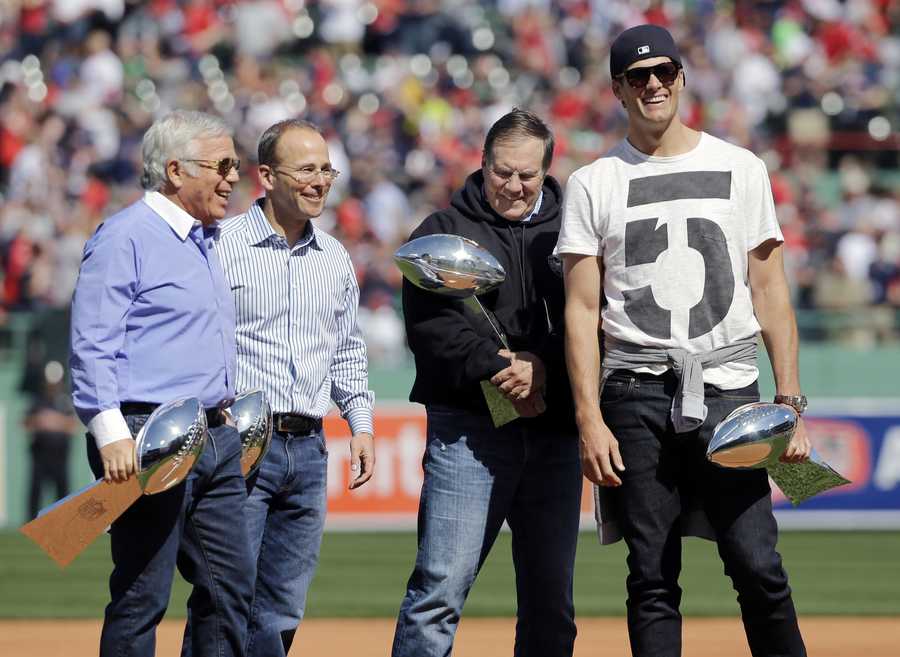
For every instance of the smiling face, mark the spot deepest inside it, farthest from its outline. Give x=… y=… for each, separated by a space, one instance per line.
x=299 y=154
x=654 y=105
x=513 y=176
x=205 y=195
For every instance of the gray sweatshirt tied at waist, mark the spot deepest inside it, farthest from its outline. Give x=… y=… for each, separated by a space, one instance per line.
x=688 y=408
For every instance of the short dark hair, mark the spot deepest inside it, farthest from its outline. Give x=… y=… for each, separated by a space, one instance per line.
x=519 y=123
x=265 y=151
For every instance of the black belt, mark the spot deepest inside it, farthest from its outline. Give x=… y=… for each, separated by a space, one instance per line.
x=293 y=423
x=214 y=416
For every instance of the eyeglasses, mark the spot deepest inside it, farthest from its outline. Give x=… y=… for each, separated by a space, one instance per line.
x=306 y=175
x=666 y=73
x=223 y=167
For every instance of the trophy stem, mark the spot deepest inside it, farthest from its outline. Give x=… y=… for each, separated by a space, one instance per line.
x=501 y=409
x=64 y=529
x=477 y=306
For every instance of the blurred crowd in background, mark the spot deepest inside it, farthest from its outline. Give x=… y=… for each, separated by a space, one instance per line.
x=404 y=91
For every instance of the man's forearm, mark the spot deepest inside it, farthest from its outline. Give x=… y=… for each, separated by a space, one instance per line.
x=779 y=332
x=584 y=276
x=772 y=306
x=583 y=362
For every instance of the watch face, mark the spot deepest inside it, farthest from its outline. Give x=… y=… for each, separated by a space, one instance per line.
x=797 y=402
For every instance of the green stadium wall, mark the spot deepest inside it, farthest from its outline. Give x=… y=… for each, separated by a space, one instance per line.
x=834 y=377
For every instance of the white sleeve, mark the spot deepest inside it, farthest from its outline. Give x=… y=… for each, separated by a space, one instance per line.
x=580 y=231
x=108 y=426
x=758 y=207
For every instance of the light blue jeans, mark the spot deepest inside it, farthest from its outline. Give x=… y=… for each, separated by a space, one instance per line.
x=476 y=477
x=285 y=518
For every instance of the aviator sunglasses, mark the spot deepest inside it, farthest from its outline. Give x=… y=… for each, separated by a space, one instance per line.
x=223 y=167
x=638 y=78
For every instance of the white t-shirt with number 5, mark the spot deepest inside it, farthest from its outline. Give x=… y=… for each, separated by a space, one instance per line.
x=674 y=234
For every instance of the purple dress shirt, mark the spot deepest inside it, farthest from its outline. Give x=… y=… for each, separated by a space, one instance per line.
x=152 y=315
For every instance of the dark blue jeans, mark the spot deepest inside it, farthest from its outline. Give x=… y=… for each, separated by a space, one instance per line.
x=476 y=477
x=198 y=526
x=664 y=472
x=285 y=519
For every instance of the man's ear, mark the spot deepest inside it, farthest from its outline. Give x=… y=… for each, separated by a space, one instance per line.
x=617 y=88
x=175 y=173
x=267 y=177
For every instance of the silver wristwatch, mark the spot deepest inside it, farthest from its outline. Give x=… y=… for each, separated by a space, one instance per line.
x=797 y=402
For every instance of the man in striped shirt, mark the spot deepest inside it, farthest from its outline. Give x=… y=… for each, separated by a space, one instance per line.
x=296 y=300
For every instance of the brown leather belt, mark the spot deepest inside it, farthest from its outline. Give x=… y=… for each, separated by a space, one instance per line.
x=296 y=424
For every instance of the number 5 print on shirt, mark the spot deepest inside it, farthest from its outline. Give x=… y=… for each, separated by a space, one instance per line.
x=645 y=242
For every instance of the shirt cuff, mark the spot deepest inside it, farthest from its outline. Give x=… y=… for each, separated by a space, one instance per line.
x=360 y=420
x=108 y=426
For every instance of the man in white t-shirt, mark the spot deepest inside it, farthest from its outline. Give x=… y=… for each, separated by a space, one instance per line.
x=677 y=230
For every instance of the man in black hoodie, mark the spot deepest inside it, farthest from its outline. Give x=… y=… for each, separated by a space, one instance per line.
x=526 y=472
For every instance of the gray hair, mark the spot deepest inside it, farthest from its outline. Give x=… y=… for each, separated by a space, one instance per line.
x=171 y=138
x=266 y=150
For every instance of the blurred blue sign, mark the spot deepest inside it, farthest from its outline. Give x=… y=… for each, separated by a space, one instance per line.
x=866 y=450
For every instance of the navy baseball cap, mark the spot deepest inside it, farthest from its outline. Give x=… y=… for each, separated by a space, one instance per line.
x=641 y=42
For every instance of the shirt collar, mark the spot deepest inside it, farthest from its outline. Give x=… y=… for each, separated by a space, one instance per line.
x=178 y=219
x=534 y=210
x=259 y=229
x=537 y=207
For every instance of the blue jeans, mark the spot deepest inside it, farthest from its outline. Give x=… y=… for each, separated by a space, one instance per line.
x=197 y=526
x=476 y=477
x=285 y=518
x=664 y=471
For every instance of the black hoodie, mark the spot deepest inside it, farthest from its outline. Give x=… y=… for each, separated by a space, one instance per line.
x=454 y=348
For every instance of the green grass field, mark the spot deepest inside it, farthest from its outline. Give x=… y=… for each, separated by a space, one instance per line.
x=364 y=575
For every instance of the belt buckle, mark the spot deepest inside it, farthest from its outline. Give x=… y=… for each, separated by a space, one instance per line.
x=288 y=423
x=279 y=423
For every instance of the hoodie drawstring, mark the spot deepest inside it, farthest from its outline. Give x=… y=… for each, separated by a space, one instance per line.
x=522 y=266
x=512 y=234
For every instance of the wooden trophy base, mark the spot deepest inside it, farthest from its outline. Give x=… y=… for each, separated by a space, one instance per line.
x=64 y=529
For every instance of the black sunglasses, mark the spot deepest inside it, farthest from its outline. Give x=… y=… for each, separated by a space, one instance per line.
x=223 y=167
x=666 y=73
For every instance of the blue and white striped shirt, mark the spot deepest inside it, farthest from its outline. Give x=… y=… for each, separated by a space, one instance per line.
x=297 y=335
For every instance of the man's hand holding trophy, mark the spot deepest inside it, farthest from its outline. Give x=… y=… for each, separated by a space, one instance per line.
x=166 y=448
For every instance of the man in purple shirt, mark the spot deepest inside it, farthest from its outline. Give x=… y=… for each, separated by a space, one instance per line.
x=153 y=321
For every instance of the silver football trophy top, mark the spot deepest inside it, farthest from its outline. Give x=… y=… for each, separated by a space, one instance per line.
x=756 y=435
x=252 y=416
x=169 y=443
x=450 y=265
x=460 y=268
x=166 y=447
x=753 y=435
